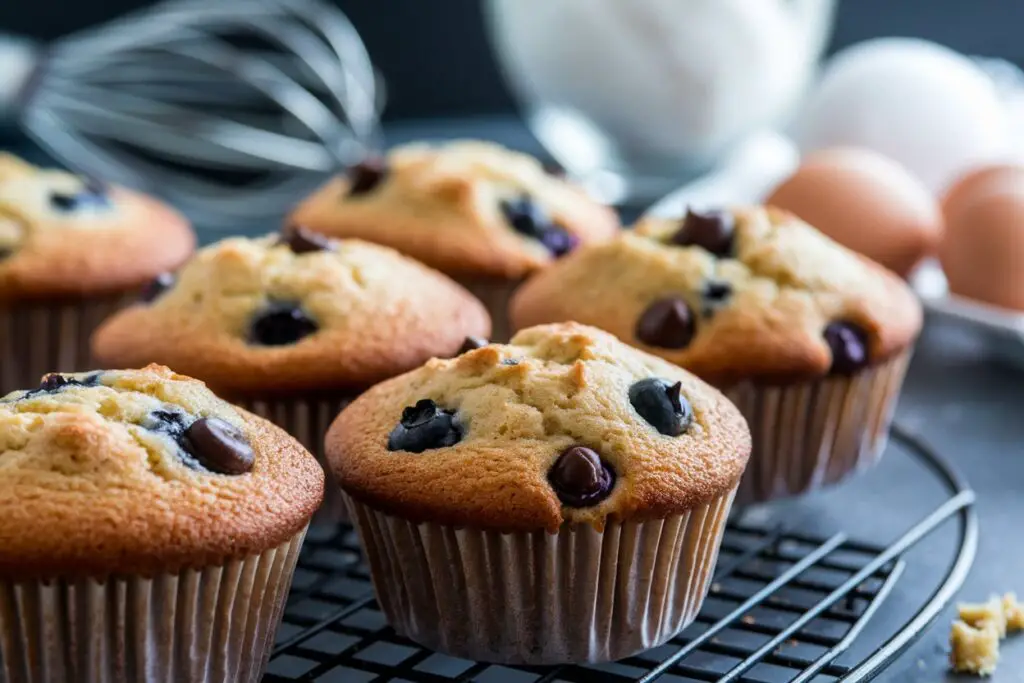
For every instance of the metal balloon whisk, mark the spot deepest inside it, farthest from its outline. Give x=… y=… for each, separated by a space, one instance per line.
x=232 y=110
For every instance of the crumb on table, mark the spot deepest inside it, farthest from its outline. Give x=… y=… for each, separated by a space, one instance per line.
x=975 y=650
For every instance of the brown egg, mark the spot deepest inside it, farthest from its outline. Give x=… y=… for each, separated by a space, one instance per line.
x=983 y=250
x=867 y=202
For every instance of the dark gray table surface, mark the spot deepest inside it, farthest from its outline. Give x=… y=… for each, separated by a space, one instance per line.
x=960 y=401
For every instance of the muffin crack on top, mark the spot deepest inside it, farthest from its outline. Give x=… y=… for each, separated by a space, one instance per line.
x=744 y=294
x=580 y=429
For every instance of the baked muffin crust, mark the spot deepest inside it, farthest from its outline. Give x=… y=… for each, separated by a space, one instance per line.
x=356 y=313
x=517 y=409
x=760 y=311
x=93 y=481
x=63 y=236
x=443 y=205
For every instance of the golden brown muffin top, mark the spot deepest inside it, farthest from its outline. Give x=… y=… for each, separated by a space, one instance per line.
x=747 y=294
x=467 y=208
x=294 y=313
x=142 y=472
x=565 y=424
x=66 y=236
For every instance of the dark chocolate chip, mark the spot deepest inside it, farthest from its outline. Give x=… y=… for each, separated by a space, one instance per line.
x=662 y=405
x=580 y=478
x=424 y=426
x=304 y=241
x=366 y=175
x=219 y=446
x=667 y=324
x=156 y=288
x=710 y=230
x=281 y=323
x=849 y=345
x=471 y=343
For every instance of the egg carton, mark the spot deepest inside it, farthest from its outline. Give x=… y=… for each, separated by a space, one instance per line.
x=1001 y=330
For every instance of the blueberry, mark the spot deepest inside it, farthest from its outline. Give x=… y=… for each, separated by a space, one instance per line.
x=711 y=230
x=580 y=478
x=93 y=194
x=366 y=175
x=667 y=323
x=157 y=287
x=424 y=426
x=662 y=405
x=5 y=253
x=303 y=241
x=849 y=345
x=281 y=323
x=54 y=382
x=219 y=446
x=528 y=218
x=716 y=295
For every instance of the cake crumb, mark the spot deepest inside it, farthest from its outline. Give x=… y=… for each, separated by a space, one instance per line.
x=975 y=650
x=748 y=619
x=978 y=615
x=1014 y=613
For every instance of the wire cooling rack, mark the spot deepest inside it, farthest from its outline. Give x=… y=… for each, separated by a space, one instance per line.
x=783 y=607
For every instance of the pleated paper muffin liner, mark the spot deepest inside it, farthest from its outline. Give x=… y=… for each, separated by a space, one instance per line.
x=810 y=435
x=307 y=419
x=44 y=337
x=578 y=595
x=495 y=294
x=214 y=625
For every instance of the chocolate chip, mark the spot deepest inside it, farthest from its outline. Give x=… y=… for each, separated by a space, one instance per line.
x=662 y=405
x=219 y=446
x=849 y=345
x=366 y=175
x=710 y=230
x=157 y=286
x=424 y=426
x=281 y=323
x=304 y=241
x=471 y=343
x=667 y=324
x=580 y=478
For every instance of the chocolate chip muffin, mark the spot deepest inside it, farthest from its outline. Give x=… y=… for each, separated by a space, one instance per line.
x=481 y=213
x=148 y=530
x=72 y=251
x=557 y=499
x=810 y=340
x=293 y=326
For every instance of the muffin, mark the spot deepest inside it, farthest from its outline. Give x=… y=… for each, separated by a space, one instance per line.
x=809 y=339
x=148 y=530
x=72 y=251
x=483 y=214
x=293 y=326
x=558 y=499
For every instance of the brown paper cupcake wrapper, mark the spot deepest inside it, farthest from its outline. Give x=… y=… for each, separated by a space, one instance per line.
x=811 y=435
x=578 y=595
x=495 y=294
x=214 y=625
x=308 y=421
x=50 y=337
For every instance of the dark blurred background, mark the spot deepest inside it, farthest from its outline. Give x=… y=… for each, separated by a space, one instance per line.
x=436 y=60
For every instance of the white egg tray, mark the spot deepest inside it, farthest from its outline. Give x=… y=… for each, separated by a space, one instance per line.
x=1000 y=328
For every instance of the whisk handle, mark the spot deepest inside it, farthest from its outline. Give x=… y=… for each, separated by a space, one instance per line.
x=18 y=60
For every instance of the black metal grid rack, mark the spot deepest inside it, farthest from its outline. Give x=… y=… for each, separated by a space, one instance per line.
x=783 y=607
